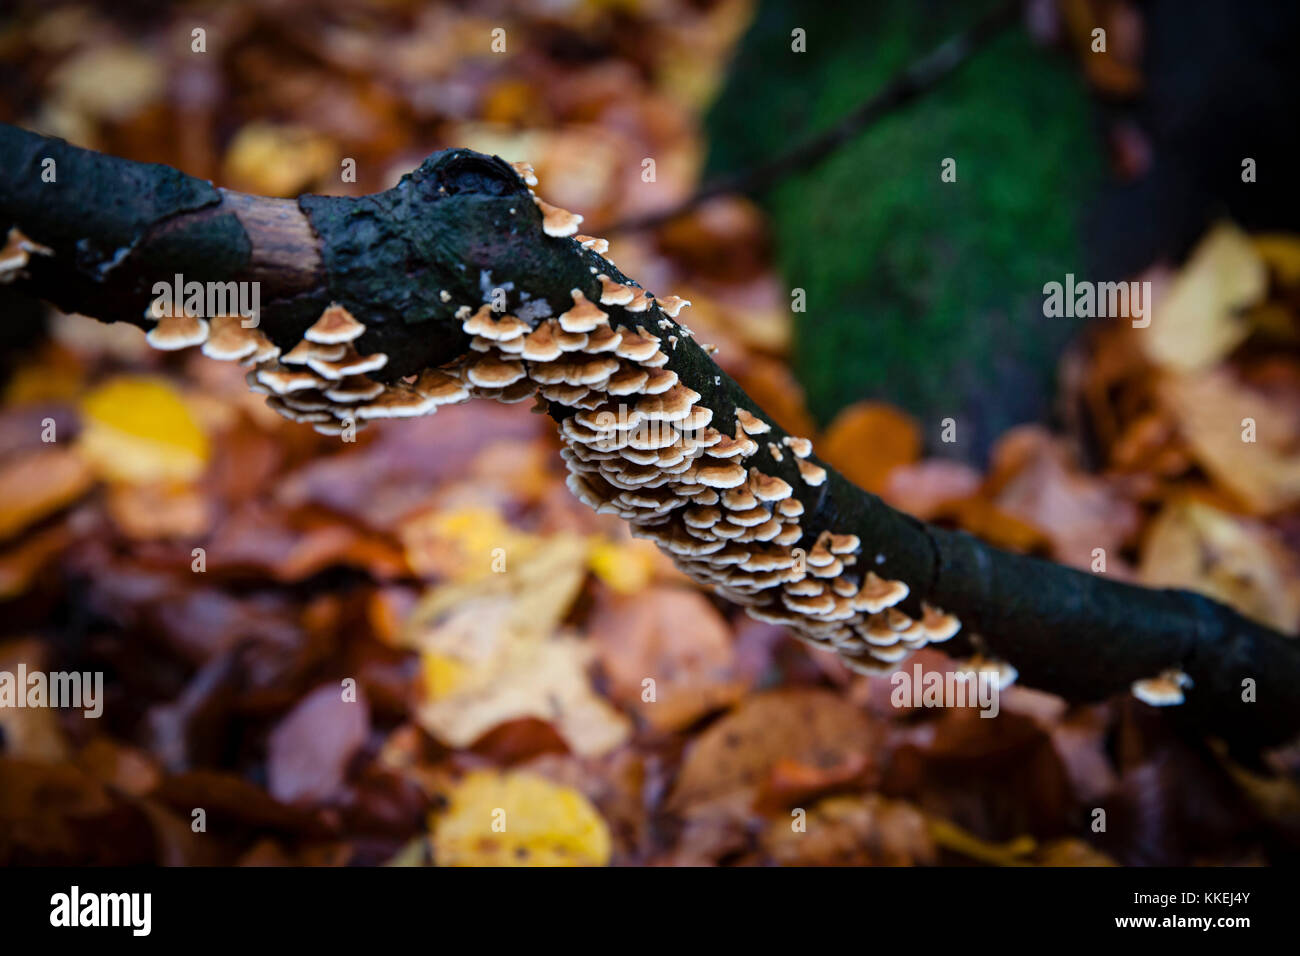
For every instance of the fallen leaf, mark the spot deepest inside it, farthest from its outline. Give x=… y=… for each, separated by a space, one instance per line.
x=868 y=440
x=139 y=430
x=626 y=567
x=1216 y=413
x=518 y=819
x=36 y=484
x=278 y=160
x=1234 y=560
x=930 y=488
x=491 y=654
x=1034 y=479
x=29 y=733
x=148 y=512
x=815 y=727
x=309 y=749
x=867 y=830
x=109 y=82
x=1069 y=851
x=675 y=638
x=1197 y=321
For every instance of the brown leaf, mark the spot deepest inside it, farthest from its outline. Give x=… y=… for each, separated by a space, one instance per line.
x=867 y=830
x=816 y=728
x=1037 y=482
x=309 y=750
x=1234 y=560
x=36 y=484
x=676 y=638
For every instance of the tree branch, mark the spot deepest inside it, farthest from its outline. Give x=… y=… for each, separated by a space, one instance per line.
x=416 y=263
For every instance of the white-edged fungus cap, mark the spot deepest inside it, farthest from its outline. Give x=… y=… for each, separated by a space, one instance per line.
x=335 y=326
x=673 y=304
x=877 y=594
x=615 y=293
x=801 y=447
x=525 y=172
x=496 y=328
x=813 y=475
x=1163 y=690
x=397 y=401
x=229 y=341
x=178 y=332
x=282 y=380
x=585 y=316
x=751 y=423
x=492 y=372
x=556 y=221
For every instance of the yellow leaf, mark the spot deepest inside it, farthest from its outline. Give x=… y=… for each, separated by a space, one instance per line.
x=111 y=82
x=1234 y=560
x=491 y=654
x=518 y=819
x=626 y=567
x=464 y=544
x=277 y=160
x=1198 y=321
x=1216 y=414
x=138 y=430
x=952 y=837
x=1282 y=255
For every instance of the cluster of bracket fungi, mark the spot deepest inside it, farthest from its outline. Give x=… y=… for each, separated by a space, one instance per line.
x=640 y=444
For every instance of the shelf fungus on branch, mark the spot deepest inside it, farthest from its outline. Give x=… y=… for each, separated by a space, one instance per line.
x=459 y=283
x=639 y=444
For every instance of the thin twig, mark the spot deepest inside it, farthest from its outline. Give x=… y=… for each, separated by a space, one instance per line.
x=919 y=77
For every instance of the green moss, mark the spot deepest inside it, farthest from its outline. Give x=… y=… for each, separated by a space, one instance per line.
x=922 y=292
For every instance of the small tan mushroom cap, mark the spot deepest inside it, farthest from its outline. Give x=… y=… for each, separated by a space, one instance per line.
x=585 y=316
x=1163 y=690
x=178 y=332
x=492 y=372
x=615 y=293
x=768 y=487
x=497 y=328
x=229 y=341
x=752 y=424
x=813 y=475
x=397 y=401
x=335 y=326
x=556 y=221
x=16 y=253
x=877 y=594
x=306 y=350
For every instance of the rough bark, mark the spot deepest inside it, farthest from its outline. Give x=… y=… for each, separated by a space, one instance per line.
x=463 y=223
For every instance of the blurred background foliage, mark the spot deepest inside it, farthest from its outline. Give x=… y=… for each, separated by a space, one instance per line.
x=347 y=679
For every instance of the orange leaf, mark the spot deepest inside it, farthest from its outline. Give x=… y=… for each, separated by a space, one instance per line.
x=867 y=441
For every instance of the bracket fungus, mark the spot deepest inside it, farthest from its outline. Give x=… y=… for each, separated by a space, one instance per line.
x=733 y=500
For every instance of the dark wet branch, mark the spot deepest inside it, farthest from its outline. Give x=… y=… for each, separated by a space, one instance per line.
x=404 y=260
